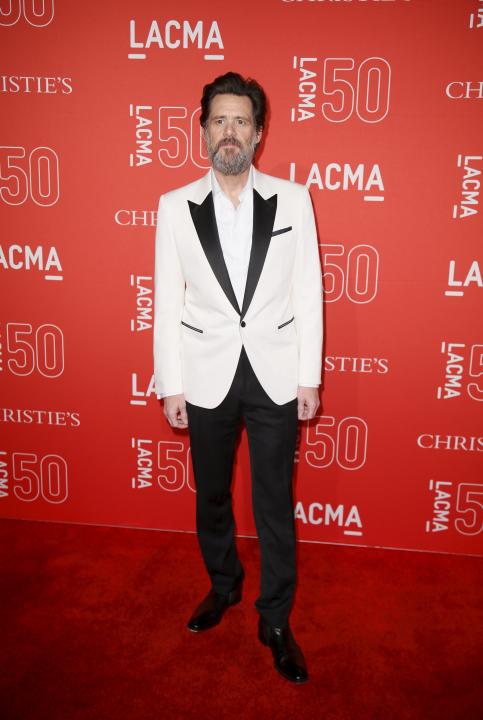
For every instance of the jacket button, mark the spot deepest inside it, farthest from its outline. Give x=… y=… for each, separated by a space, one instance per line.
x=243 y=323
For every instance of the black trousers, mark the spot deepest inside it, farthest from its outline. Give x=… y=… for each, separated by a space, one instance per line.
x=272 y=434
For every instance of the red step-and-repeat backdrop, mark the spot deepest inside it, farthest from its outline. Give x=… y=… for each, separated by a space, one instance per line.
x=376 y=106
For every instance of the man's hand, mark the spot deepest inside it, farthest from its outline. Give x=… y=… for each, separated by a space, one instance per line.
x=175 y=411
x=308 y=402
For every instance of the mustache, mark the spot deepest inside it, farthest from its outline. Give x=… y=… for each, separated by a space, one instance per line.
x=228 y=141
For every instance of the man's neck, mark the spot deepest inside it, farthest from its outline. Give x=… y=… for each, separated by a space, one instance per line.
x=232 y=185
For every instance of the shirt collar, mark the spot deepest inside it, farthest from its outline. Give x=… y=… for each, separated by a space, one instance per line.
x=216 y=188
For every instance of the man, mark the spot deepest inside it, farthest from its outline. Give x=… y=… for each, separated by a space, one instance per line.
x=238 y=335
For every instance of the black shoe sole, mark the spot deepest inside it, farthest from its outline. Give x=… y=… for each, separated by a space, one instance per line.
x=290 y=679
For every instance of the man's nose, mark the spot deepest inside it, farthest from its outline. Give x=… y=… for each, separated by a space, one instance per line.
x=230 y=127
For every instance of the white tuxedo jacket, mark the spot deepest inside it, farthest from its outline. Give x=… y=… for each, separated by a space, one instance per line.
x=199 y=328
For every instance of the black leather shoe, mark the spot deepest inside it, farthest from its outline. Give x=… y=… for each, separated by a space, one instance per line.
x=211 y=610
x=288 y=657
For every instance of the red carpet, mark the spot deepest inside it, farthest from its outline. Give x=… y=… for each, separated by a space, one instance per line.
x=93 y=626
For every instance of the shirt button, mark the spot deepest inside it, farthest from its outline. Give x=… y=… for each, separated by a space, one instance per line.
x=243 y=323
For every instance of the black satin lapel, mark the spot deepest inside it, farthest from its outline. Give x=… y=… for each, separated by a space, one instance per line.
x=204 y=220
x=263 y=219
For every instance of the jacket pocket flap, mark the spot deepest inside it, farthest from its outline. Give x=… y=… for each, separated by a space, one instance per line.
x=282 y=230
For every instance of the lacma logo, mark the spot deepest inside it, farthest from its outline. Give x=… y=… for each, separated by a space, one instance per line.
x=175 y=34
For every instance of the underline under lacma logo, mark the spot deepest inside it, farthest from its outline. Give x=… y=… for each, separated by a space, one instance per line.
x=176 y=34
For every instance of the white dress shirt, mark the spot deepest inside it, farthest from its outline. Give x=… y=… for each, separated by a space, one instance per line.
x=235 y=226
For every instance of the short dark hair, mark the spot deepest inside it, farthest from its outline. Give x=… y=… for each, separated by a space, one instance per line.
x=234 y=84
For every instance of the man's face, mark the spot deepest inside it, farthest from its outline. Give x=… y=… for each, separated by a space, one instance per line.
x=230 y=133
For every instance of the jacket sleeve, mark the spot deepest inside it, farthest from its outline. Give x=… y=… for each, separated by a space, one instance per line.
x=169 y=291
x=307 y=298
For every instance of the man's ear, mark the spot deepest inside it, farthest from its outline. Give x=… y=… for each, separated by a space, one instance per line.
x=259 y=135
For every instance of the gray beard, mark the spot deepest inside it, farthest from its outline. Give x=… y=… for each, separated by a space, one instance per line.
x=231 y=164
